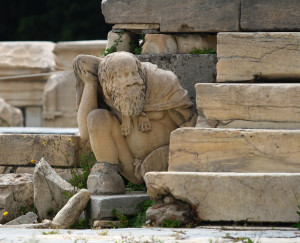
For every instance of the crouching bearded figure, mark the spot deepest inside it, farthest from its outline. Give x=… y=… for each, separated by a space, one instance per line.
x=126 y=109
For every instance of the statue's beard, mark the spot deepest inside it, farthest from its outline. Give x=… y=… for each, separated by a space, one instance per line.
x=130 y=100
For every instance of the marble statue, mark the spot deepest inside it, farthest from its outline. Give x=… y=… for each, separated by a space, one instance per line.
x=126 y=109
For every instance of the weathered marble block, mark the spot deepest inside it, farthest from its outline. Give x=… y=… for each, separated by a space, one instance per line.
x=175 y=16
x=253 y=197
x=21 y=149
x=274 y=106
x=251 y=56
x=234 y=150
x=270 y=15
x=190 y=69
x=16 y=191
x=26 y=57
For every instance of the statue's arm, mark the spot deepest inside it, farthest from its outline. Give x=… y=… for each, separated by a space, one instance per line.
x=86 y=72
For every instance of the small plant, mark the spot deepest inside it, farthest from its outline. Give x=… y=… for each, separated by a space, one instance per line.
x=24 y=210
x=169 y=223
x=52 y=232
x=137 y=50
x=134 y=187
x=136 y=221
x=114 y=47
x=205 y=50
x=78 y=179
x=104 y=232
x=81 y=224
x=297 y=225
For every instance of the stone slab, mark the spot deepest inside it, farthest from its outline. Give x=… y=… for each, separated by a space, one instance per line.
x=252 y=197
x=202 y=234
x=23 y=90
x=101 y=206
x=258 y=56
x=190 y=69
x=136 y=26
x=175 y=16
x=39 y=130
x=16 y=191
x=26 y=57
x=274 y=106
x=270 y=15
x=234 y=150
x=21 y=149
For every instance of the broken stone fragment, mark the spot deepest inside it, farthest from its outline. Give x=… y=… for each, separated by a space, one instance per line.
x=16 y=191
x=51 y=192
x=68 y=215
x=159 y=44
x=176 y=211
x=29 y=218
x=10 y=116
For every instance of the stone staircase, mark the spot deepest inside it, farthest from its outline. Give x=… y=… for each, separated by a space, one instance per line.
x=242 y=160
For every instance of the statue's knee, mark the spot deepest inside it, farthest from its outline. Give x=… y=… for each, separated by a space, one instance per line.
x=99 y=120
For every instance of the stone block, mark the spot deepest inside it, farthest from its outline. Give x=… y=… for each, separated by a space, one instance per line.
x=10 y=116
x=68 y=215
x=190 y=69
x=51 y=192
x=159 y=44
x=67 y=51
x=59 y=101
x=101 y=206
x=234 y=150
x=251 y=197
x=16 y=192
x=125 y=40
x=188 y=42
x=26 y=57
x=254 y=56
x=270 y=15
x=29 y=218
x=33 y=116
x=176 y=16
x=59 y=150
x=274 y=106
x=23 y=90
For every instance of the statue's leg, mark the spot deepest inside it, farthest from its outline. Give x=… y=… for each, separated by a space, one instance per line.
x=109 y=147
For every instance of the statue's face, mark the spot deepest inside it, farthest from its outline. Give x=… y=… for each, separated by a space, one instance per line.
x=126 y=75
x=126 y=88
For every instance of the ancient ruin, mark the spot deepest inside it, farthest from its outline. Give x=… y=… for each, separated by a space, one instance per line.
x=146 y=104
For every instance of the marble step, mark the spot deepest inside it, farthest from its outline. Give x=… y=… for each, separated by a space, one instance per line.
x=61 y=147
x=252 y=197
x=234 y=150
x=248 y=56
x=228 y=105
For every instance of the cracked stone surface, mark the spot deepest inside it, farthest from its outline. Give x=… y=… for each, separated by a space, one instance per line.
x=16 y=191
x=272 y=106
x=51 y=192
x=234 y=150
x=255 y=197
x=249 y=56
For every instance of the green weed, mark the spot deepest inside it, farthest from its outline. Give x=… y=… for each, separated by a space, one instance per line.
x=169 y=223
x=205 y=50
x=114 y=47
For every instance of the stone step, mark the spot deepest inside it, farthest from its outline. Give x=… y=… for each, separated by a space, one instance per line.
x=101 y=206
x=273 y=106
x=250 y=56
x=253 y=197
x=234 y=150
x=27 y=149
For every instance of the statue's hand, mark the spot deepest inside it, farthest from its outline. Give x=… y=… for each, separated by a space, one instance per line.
x=125 y=126
x=86 y=68
x=144 y=123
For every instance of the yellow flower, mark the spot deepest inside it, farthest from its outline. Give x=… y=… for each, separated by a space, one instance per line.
x=5 y=213
x=44 y=142
x=70 y=139
x=32 y=161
